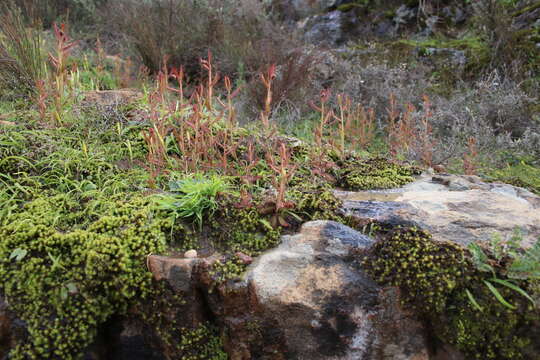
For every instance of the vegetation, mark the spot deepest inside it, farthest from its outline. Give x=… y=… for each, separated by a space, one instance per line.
x=197 y=156
x=484 y=310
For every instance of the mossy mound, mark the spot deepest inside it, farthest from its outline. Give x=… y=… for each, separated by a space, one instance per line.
x=378 y=173
x=66 y=282
x=438 y=280
x=79 y=218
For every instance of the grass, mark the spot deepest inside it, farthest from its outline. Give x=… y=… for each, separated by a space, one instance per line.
x=22 y=59
x=195 y=197
x=521 y=174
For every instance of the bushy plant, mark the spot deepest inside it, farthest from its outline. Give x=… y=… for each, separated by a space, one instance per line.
x=22 y=59
x=194 y=196
x=78 y=12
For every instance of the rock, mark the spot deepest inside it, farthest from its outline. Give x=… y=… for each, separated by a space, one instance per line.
x=125 y=338
x=245 y=259
x=527 y=19
x=190 y=254
x=442 y=56
x=11 y=329
x=454 y=208
x=326 y=308
x=298 y=9
x=331 y=29
x=404 y=15
x=305 y=299
x=177 y=271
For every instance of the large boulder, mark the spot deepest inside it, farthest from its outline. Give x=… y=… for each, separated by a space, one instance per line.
x=305 y=299
x=326 y=307
x=460 y=209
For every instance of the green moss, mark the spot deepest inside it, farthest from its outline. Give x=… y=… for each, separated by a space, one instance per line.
x=434 y=278
x=315 y=202
x=229 y=269
x=244 y=230
x=70 y=281
x=375 y=173
x=202 y=343
x=477 y=51
x=522 y=175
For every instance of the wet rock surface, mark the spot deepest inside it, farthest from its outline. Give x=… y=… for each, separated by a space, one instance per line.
x=460 y=209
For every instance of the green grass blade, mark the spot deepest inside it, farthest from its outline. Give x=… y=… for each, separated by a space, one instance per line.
x=515 y=288
x=473 y=300
x=498 y=295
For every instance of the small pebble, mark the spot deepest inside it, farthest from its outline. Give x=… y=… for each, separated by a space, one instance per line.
x=245 y=259
x=190 y=254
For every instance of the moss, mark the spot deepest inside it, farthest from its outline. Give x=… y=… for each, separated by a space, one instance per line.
x=477 y=52
x=375 y=173
x=69 y=282
x=526 y=9
x=202 y=343
x=434 y=278
x=315 y=202
x=231 y=268
x=244 y=230
x=164 y=311
x=522 y=175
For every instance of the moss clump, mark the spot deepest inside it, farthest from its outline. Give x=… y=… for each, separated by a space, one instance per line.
x=69 y=282
x=164 y=311
x=202 y=343
x=425 y=270
x=244 y=230
x=434 y=278
x=316 y=202
x=229 y=269
x=374 y=173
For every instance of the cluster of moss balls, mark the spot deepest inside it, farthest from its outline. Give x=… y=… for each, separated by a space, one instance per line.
x=434 y=278
x=376 y=173
x=70 y=281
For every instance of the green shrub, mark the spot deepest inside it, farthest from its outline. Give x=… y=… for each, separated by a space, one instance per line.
x=22 y=60
x=77 y=12
x=195 y=196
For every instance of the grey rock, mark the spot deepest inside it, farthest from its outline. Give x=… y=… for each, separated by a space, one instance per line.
x=299 y=9
x=325 y=307
x=332 y=29
x=178 y=271
x=460 y=209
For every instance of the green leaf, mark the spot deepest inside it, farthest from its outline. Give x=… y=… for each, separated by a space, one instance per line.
x=473 y=300
x=515 y=288
x=63 y=293
x=266 y=224
x=498 y=295
x=18 y=254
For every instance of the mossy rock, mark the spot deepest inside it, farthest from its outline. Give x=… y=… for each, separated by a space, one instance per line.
x=438 y=280
x=377 y=173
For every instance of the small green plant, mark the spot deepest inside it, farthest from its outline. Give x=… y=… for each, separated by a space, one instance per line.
x=193 y=197
x=523 y=265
